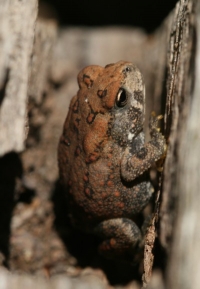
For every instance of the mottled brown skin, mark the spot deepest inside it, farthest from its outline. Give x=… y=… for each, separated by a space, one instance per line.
x=102 y=156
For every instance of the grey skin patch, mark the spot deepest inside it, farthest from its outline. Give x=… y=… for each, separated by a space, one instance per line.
x=139 y=96
x=142 y=153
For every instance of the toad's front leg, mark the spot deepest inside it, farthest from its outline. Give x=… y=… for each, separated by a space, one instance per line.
x=133 y=166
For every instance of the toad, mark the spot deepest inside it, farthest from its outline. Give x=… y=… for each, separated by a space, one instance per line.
x=103 y=158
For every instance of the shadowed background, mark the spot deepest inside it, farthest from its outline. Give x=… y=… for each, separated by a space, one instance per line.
x=144 y=13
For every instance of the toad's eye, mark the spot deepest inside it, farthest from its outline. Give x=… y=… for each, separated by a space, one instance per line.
x=122 y=98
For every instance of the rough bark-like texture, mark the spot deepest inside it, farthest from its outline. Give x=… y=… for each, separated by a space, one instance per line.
x=38 y=70
x=185 y=250
x=180 y=79
x=17 y=22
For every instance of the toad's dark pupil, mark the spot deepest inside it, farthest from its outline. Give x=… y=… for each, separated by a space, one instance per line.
x=121 y=98
x=128 y=69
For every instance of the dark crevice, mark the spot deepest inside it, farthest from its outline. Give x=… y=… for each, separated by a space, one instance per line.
x=10 y=170
x=3 y=88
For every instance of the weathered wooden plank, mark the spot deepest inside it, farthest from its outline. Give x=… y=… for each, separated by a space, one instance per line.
x=184 y=265
x=17 y=34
